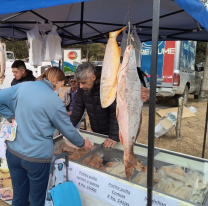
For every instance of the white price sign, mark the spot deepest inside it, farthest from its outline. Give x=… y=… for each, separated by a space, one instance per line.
x=114 y=192
x=89 y=182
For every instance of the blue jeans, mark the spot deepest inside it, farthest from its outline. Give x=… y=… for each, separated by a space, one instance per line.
x=28 y=179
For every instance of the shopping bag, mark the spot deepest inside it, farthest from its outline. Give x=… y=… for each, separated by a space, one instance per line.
x=66 y=194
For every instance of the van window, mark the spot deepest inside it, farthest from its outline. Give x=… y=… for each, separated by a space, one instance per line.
x=188 y=53
x=10 y=56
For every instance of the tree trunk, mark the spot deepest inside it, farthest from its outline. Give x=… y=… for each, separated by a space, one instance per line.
x=204 y=89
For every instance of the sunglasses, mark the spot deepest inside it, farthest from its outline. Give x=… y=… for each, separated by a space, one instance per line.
x=73 y=81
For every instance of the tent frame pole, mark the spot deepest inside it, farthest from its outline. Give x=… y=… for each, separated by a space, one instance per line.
x=163 y=16
x=82 y=20
x=54 y=24
x=153 y=82
x=205 y=133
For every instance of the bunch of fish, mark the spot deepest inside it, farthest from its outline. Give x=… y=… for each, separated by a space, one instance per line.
x=2 y=64
x=122 y=82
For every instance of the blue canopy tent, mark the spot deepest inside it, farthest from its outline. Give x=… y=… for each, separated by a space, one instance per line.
x=91 y=21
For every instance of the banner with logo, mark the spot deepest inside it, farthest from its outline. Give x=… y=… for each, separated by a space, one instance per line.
x=72 y=58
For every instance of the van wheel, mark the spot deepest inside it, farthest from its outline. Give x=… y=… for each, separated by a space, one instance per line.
x=184 y=95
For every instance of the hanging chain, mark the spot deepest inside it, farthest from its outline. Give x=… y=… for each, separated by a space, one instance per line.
x=127 y=12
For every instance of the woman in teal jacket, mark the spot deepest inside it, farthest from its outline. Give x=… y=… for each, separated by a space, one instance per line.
x=38 y=111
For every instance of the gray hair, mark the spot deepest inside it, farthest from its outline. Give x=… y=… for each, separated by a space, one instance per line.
x=83 y=70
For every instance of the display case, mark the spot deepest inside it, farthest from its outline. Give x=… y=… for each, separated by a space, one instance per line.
x=176 y=176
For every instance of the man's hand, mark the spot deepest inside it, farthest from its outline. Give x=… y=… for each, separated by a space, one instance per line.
x=69 y=113
x=145 y=94
x=109 y=143
x=88 y=144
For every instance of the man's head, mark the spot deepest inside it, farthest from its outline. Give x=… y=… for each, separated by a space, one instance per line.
x=85 y=75
x=19 y=69
x=73 y=83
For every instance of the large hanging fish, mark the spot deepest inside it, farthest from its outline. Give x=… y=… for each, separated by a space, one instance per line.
x=110 y=69
x=129 y=108
x=2 y=64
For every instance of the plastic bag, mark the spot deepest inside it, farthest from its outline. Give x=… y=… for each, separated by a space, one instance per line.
x=140 y=178
x=138 y=46
x=35 y=41
x=124 y=42
x=53 y=46
x=8 y=131
x=43 y=51
x=3 y=121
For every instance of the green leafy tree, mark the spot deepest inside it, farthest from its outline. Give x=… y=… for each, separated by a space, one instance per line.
x=201 y=46
x=18 y=47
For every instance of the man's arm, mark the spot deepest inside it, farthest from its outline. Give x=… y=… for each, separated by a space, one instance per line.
x=61 y=121
x=114 y=129
x=78 y=108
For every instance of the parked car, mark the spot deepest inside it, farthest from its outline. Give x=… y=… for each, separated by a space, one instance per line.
x=176 y=71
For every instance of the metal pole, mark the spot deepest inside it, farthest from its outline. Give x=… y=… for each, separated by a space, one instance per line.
x=205 y=132
x=81 y=20
x=153 y=82
x=59 y=64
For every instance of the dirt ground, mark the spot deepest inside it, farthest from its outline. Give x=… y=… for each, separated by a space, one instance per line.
x=192 y=129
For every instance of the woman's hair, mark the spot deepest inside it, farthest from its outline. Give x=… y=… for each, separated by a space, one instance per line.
x=52 y=74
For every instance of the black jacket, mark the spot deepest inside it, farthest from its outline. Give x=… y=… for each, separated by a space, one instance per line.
x=29 y=77
x=102 y=121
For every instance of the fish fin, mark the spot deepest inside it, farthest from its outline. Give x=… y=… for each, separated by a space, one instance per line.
x=120 y=137
x=131 y=162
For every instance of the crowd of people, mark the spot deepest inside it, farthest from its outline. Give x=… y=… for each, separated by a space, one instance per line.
x=38 y=111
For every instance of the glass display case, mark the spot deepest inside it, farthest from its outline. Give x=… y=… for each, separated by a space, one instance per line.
x=176 y=175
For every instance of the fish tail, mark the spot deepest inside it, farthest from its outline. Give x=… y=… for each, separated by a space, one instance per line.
x=116 y=33
x=131 y=162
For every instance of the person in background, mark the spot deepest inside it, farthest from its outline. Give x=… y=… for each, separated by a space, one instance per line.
x=69 y=98
x=102 y=120
x=142 y=77
x=38 y=111
x=21 y=73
